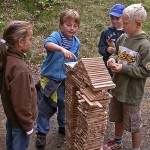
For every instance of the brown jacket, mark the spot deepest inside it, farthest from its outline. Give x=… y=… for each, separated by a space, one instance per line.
x=18 y=93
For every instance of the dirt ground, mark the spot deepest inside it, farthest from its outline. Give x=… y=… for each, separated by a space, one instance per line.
x=55 y=141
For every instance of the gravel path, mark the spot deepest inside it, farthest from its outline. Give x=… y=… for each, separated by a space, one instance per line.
x=55 y=141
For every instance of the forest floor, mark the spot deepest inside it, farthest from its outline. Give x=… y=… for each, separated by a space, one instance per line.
x=55 y=141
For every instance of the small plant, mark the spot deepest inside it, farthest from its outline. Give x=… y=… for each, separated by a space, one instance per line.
x=2 y=24
x=42 y=4
x=46 y=4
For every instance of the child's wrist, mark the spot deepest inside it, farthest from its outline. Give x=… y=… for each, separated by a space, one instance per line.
x=29 y=132
x=61 y=49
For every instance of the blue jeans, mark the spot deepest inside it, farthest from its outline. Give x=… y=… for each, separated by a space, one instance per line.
x=42 y=122
x=16 y=138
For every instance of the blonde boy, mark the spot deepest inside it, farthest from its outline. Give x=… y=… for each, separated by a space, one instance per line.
x=131 y=66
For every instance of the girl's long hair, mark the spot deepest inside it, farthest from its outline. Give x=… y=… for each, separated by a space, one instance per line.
x=11 y=35
x=3 y=54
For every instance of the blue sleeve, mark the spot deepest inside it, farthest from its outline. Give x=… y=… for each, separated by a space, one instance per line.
x=102 y=46
x=54 y=38
x=75 y=49
x=76 y=46
x=77 y=52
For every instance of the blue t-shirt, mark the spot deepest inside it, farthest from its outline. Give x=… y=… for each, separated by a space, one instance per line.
x=53 y=66
x=66 y=43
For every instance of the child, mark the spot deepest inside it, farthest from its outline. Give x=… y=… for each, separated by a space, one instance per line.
x=18 y=93
x=61 y=47
x=111 y=34
x=131 y=66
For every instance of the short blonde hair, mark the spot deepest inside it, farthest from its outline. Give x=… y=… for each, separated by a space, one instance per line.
x=135 y=12
x=69 y=15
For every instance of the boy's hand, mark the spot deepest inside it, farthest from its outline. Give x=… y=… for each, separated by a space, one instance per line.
x=111 y=62
x=67 y=54
x=110 y=50
x=116 y=67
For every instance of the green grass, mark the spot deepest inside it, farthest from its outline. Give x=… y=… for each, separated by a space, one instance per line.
x=44 y=15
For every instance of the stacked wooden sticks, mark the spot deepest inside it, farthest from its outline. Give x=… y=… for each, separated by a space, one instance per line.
x=71 y=103
x=86 y=100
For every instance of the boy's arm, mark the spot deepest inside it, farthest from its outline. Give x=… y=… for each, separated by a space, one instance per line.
x=115 y=54
x=54 y=47
x=142 y=70
x=113 y=59
x=103 y=45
